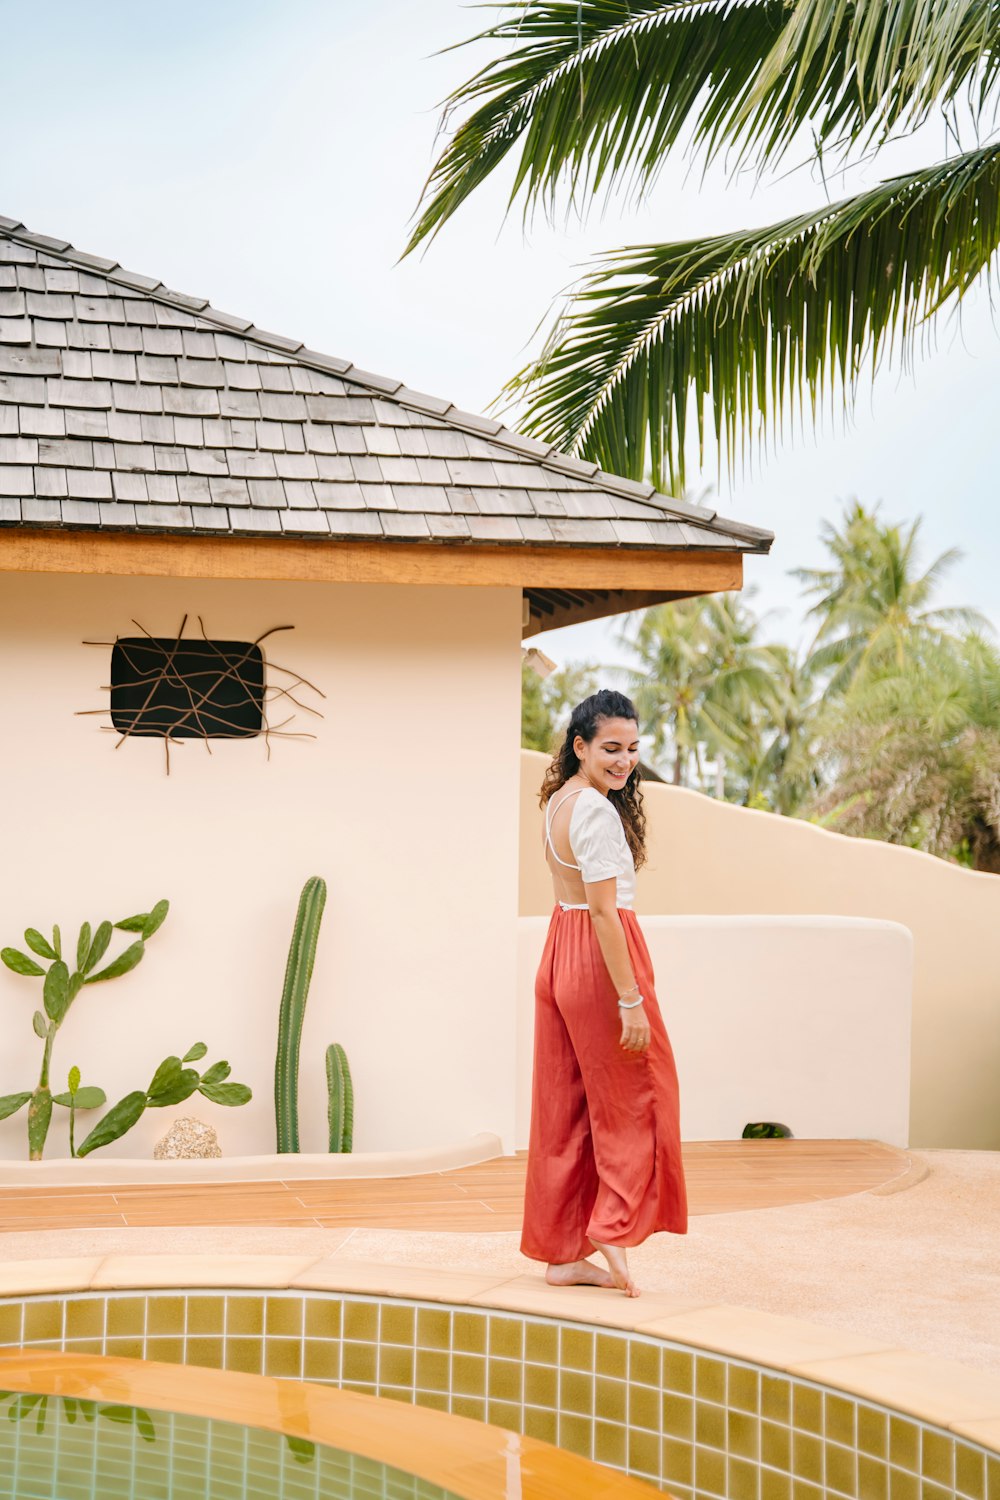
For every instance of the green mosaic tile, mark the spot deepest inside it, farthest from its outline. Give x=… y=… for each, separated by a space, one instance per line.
x=776 y=1445
x=43 y=1321
x=436 y=1400
x=204 y=1315
x=469 y=1332
x=84 y=1318
x=743 y=1438
x=576 y=1349
x=643 y=1453
x=776 y=1398
x=576 y=1392
x=576 y=1434
x=358 y=1364
x=504 y=1414
x=610 y=1444
x=678 y=1417
x=931 y=1491
x=611 y=1356
x=644 y=1406
x=541 y=1385
x=245 y=1354
x=398 y=1324
x=678 y=1371
x=432 y=1368
x=992 y=1478
x=282 y=1356
x=873 y=1432
x=677 y=1462
x=710 y=1379
x=904 y=1443
x=970 y=1472
x=283 y=1317
x=807 y=1456
x=611 y=1399
x=540 y=1424
x=840 y=1419
x=433 y=1328
x=937 y=1457
x=132 y=1349
x=710 y=1424
x=165 y=1315
x=469 y=1406
x=710 y=1471
x=321 y=1360
x=644 y=1363
x=841 y=1469
x=804 y=1489
x=903 y=1485
x=323 y=1318
x=505 y=1380
x=468 y=1374
x=10 y=1322
x=744 y=1480
x=245 y=1316
x=807 y=1408
x=744 y=1389
x=541 y=1343
x=506 y=1338
x=779 y=1487
x=396 y=1365
x=361 y=1322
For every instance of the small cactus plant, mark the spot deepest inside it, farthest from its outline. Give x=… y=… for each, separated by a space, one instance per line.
x=340 y=1098
x=298 y=973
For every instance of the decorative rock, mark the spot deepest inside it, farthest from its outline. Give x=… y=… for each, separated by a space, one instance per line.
x=187 y=1138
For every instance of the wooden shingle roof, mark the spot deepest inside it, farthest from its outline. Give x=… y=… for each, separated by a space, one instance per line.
x=125 y=406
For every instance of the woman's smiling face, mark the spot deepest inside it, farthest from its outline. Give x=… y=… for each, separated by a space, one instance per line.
x=612 y=755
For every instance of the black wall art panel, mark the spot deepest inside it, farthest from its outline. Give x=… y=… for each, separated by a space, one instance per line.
x=187 y=689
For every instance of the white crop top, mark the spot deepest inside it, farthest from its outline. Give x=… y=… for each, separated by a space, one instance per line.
x=597 y=838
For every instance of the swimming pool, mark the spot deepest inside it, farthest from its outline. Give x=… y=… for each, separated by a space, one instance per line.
x=95 y=1427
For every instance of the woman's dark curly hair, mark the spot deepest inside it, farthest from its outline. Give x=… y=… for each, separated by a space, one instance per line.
x=585 y=721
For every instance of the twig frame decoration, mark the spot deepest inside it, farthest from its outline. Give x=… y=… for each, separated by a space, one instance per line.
x=176 y=689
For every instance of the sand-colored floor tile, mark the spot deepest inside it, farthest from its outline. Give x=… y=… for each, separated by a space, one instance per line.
x=767 y=1338
x=119 y=1271
x=25 y=1278
x=609 y=1308
x=939 y=1390
x=336 y=1274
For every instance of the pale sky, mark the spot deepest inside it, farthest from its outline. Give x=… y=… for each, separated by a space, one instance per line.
x=268 y=154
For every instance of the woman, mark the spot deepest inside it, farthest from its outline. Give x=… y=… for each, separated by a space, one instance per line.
x=604 y=1155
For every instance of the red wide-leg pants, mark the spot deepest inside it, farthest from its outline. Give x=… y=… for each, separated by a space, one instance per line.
x=604 y=1154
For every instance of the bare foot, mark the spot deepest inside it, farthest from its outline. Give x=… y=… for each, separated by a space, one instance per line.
x=578 y=1273
x=618 y=1263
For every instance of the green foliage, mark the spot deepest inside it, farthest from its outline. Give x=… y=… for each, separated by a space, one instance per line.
x=298 y=973
x=172 y=1083
x=546 y=702
x=60 y=987
x=592 y=97
x=340 y=1098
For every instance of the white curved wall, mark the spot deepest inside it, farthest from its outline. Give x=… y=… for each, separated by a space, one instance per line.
x=805 y=1020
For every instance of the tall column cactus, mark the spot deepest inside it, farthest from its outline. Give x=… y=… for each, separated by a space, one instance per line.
x=298 y=973
x=340 y=1098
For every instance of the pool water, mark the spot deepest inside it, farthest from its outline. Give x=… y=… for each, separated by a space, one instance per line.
x=62 y=1448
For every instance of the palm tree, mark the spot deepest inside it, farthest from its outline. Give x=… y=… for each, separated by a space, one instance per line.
x=872 y=607
x=780 y=768
x=917 y=755
x=590 y=97
x=701 y=671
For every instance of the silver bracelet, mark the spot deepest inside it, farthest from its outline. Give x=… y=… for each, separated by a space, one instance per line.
x=630 y=1004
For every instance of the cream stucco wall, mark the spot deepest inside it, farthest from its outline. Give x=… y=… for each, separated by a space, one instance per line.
x=711 y=858
x=805 y=1020
x=383 y=805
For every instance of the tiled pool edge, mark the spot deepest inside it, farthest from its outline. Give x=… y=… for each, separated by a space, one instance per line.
x=938 y=1394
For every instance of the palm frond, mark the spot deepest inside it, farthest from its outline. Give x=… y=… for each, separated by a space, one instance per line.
x=744 y=322
x=595 y=93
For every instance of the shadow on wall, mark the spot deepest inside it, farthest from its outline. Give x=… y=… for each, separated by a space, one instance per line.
x=711 y=858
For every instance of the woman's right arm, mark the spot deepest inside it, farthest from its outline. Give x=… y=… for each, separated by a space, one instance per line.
x=602 y=898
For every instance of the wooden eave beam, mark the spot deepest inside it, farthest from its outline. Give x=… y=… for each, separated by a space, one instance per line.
x=618 y=603
x=695 y=571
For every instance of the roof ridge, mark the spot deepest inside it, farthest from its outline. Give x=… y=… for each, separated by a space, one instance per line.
x=545 y=454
